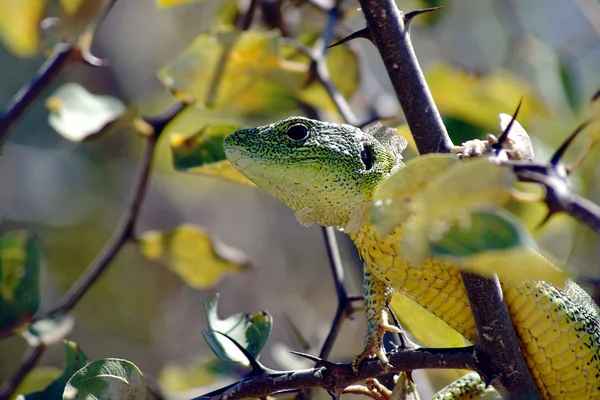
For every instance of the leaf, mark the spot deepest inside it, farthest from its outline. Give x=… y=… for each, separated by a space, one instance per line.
x=19 y=25
x=453 y=194
x=71 y=6
x=494 y=242
x=392 y=201
x=20 y=261
x=39 y=378
x=482 y=97
x=202 y=153
x=173 y=3
x=75 y=360
x=107 y=379
x=222 y=70
x=427 y=328
x=49 y=331
x=199 y=259
x=78 y=115
x=251 y=331
x=176 y=378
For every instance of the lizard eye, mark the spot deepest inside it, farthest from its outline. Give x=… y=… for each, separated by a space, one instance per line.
x=297 y=132
x=366 y=155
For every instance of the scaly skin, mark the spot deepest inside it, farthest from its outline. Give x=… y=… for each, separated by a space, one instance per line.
x=327 y=174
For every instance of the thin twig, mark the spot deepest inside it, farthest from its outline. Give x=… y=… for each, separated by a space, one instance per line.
x=30 y=360
x=63 y=55
x=125 y=228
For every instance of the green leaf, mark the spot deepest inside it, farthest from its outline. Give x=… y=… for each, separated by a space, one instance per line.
x=20 y=260
x=75 y=360
x=199 y=259
x=78 y=115
x=177 y=378
x=20 y=25
x=392 y=201
x=107 y=379
x=173 y=3
x=494 y=242
x=234 y=69
x=39 y=378
x=49 y=331
x=250 y=331
x=202 y=153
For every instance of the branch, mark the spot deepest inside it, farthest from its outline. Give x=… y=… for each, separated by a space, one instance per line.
x=125 y=228
x=32 y=357
x=336 y=377
x=391 y=36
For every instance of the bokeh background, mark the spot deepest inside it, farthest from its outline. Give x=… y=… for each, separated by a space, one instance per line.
x=72 y=194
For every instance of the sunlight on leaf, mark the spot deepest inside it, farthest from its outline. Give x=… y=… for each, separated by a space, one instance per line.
x=75 y=360
x=250 y=331
x=495 y=242
x=107 y=379
x=202 y=153
x=177 y=378
x=49 y=331
x=216 y=69
x=481 y=97
x=199 y=259
x=393 y=199
x=174 y=3
x=77 y=114
x=19 y=25
x=427 y=328
x=453 y=194
x=20 y=261
x=35 y=381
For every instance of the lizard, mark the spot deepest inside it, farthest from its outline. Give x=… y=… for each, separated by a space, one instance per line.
x=327 y=174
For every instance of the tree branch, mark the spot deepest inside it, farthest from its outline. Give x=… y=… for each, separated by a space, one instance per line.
x=336 y=377
x=32 y=357
x=391 y=36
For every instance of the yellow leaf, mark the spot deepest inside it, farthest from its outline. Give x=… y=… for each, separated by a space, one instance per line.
x=423 y=325
x=217 y=69
x=71 y=6
x=479 y=99
x=199 y=259
x=19 y=25
x=223 y=170
x=173 y=3
x=393 y=199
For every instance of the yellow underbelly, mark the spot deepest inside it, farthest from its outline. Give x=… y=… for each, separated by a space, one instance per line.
x=559 y=337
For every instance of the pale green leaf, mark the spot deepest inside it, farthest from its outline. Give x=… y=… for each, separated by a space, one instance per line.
x=107 y=379
x=174 y=3
x=78 y=115
x=393 y=199
x=49 y=331
x=199 y=259
x=250 y=331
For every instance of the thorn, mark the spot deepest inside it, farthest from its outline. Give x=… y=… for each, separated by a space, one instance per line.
x=408 y=17
x=582 y=158
x=504 y=136
x=334 y=395
x=319 y=361
x=563 y=147
x=546 y=219
x=596 y=96
x=364 y=33
x=257 y=367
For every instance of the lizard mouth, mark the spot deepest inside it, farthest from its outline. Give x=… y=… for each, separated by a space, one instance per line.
x=236 y=154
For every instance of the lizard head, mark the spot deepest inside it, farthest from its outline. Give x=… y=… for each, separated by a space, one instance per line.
x=325 y=172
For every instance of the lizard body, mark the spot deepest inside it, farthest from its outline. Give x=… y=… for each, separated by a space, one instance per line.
x=327 y=173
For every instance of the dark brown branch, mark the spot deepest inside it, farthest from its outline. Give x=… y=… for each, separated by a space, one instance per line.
x=63 y=55
x=392 y=39
x=387 y=26
x=125 y=228
x=32 y=357
x=340 y=376
x=498 y=353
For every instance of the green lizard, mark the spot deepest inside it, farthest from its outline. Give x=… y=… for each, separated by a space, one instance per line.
x=327 y=174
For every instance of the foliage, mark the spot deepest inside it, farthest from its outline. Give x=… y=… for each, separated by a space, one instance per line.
x=240 y=71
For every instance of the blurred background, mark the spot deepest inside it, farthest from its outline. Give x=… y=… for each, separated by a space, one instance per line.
x=480 y=57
